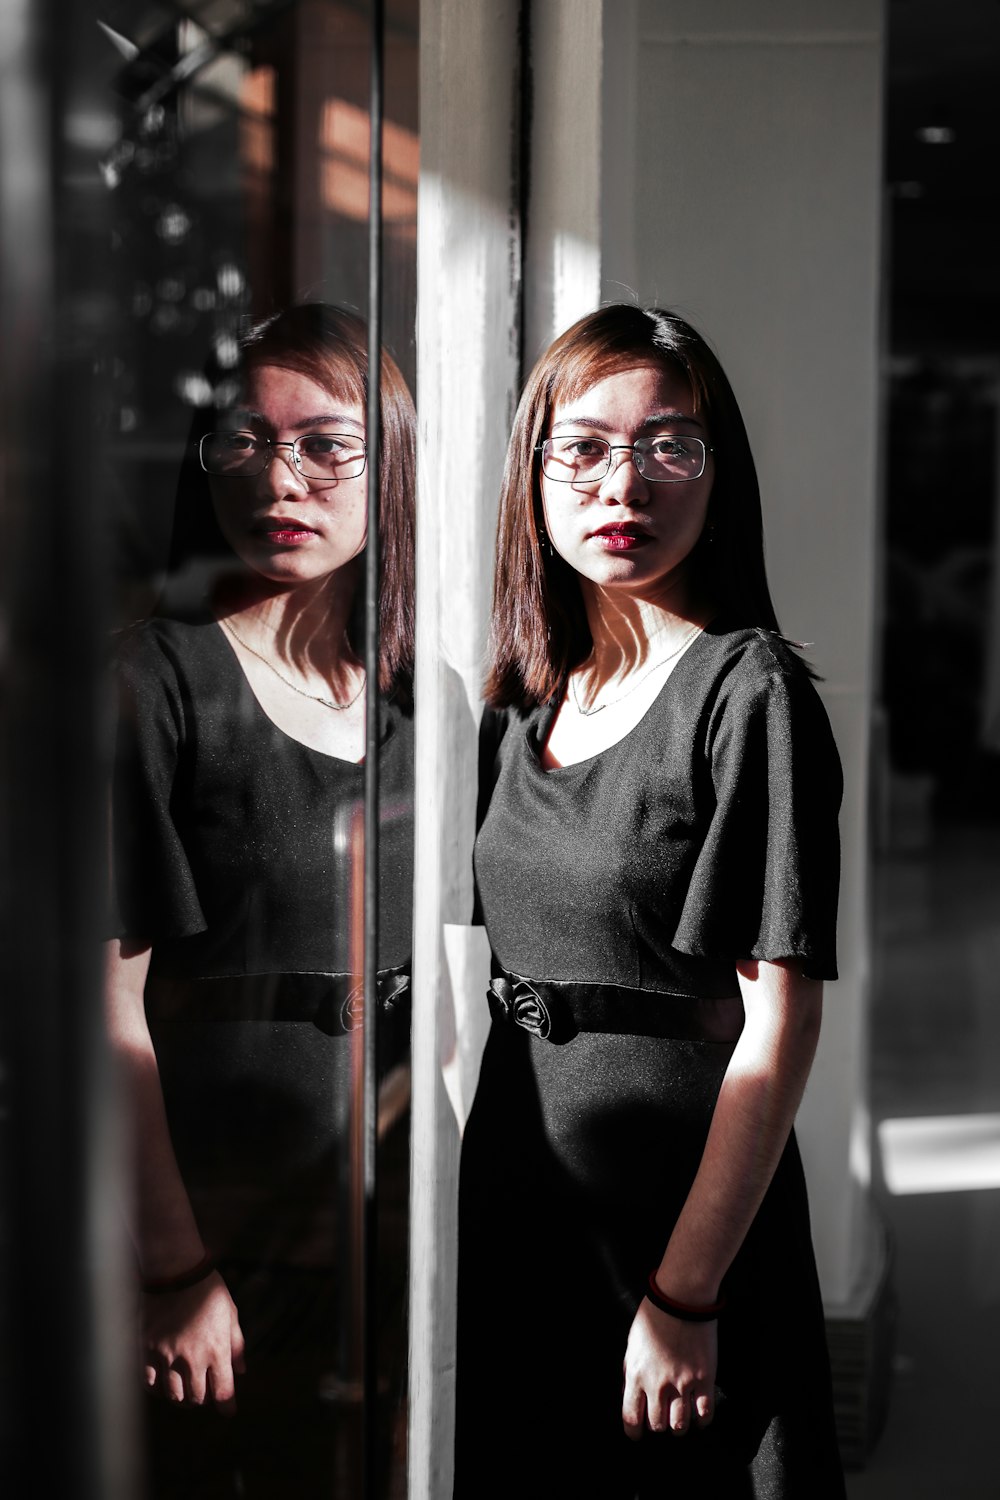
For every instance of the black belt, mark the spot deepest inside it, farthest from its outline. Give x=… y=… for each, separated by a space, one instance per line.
x=556 y=1010
x=332 y=1002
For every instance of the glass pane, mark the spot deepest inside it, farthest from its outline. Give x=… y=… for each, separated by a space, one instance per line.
x=238 y=189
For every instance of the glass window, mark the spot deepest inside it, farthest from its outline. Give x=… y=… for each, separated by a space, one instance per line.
x=198 y=242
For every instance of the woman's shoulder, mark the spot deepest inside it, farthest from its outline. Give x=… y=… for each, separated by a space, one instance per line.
x=161 y=650
x=164 y=635
x=746 y=662
x=763 y=687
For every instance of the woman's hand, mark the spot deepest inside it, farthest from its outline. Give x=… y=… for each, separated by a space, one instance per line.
x=669 y=1364
x=669 y=1373
x=193 y=1344
x=191 y=1338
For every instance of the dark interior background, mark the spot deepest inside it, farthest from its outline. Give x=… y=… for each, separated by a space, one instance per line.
x=942 y=144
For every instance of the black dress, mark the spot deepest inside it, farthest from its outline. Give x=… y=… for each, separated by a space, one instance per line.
x=617 y=894
x=233 y=858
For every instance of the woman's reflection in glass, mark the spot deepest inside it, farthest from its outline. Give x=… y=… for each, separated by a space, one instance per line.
x=238 y=768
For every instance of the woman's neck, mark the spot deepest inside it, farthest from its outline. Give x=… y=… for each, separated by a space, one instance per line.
x=630 y=632
x=304 y=626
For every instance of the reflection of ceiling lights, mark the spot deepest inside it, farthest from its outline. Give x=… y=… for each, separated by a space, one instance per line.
x=936 y=135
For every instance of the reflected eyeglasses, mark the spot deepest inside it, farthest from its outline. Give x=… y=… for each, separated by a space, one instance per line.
x=325 y=456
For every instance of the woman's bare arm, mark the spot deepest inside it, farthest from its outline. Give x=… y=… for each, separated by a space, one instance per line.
x=192 y=1337
x=670 y=1364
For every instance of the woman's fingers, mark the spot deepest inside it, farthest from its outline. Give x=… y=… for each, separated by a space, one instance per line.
x=156 y=1373
x=674 y=1412
x=669 y=1370
x=667 y=1410
x=194 y=1345
x=658 y=1405
x=680 y=1414
x=633 y=1410
x=196 y=1384
x=192 y=1384
x=222 y=1390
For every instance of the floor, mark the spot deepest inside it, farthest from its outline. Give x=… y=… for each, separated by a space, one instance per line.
x=936 y=1106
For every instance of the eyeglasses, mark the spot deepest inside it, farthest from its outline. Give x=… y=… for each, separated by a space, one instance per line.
x=325 y=456
x=662 y=460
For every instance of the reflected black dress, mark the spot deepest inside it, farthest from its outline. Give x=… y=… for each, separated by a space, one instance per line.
x=233 y=857
x=617 y=894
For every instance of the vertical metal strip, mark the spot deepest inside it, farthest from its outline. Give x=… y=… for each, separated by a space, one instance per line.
x=369 y=1288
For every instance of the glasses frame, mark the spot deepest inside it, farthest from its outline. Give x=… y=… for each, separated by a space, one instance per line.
x=706 y=449
x=270 y=446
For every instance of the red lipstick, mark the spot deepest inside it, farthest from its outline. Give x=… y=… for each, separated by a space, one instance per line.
x=284 y=533
x=622 y=536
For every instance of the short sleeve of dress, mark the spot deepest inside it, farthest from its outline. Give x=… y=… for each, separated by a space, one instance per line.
x=153 y=887
x=766 y=878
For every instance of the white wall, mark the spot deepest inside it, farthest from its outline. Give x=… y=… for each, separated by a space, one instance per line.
x=741 y=187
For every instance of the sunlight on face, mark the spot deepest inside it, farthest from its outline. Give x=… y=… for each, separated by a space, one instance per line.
x=285 y=526
x=628 y=531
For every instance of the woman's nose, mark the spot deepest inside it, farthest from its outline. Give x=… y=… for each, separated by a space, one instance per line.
x=624 y=484
x=281 y=478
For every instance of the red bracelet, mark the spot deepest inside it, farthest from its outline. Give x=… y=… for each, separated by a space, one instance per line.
x=682 y=1310
x=200 y=1271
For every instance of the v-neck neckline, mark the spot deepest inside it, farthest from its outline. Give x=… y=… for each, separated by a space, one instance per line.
x=539 y=727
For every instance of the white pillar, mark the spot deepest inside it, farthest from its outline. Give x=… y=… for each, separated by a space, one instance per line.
x=468 y=259
x=562 y=255
x=741 y=187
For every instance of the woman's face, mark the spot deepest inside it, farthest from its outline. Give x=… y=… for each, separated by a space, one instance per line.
x=625 y=532
x=286 y=527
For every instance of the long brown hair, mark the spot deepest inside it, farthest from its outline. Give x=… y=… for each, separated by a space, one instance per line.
x=329 y=345
x=538 y=626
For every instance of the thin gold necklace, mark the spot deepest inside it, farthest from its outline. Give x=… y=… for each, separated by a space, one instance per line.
x=596 y=708
x=316 y=697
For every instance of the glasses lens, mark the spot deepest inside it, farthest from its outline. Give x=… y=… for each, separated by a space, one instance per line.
x=330 y=455
x=667 y=459
x=233 y=453
x=578 y=459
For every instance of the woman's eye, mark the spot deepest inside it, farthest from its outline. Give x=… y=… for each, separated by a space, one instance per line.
x=318 y=446
x=584 y=447
x=238 y=442
x=670 y=447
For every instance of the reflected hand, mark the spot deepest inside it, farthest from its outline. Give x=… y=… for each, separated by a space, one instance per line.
x=669 y=1373
x=193 y=1345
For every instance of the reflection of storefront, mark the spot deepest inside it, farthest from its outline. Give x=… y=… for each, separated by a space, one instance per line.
x=237 y=182
x=166 y=174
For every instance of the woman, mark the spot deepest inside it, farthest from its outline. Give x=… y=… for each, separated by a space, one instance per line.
x=657 y=869
x=238 y=781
